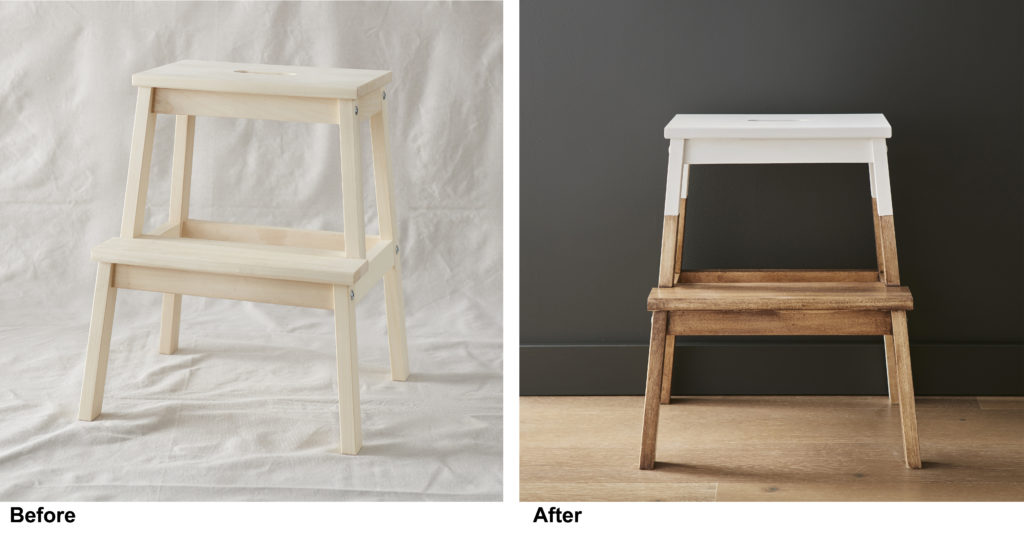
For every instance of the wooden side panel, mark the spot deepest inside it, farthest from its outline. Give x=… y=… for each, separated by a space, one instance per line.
x=779 y=323
x=298 y=238
x=241 y=105
x=776 y=276
x=777 y=296
x=274 y=291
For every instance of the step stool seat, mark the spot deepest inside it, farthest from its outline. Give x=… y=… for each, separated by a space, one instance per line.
x=851 y=126
x=236 y=258
x=248 y=78
x=780 y=296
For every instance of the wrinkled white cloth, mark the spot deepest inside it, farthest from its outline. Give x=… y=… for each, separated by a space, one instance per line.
x=247 y=409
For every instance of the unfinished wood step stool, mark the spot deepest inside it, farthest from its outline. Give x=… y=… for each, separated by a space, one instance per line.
x=778 y=302
x=320 y=269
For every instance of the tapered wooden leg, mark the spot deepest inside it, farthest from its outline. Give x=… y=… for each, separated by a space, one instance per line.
x=666 y=373
x=351 y=180
x=348 y=371
x=98 y=347
x=388 y=223
x=394 y=307
x=170 y=318
x=181 y=185
x=908 y=413
x=652 y=398
x=879 y=258
x=891 y=370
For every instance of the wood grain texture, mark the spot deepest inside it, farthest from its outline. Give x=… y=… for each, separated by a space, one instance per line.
x=242 y=259
x=776 y=276
x=299 y=238
x=879 y=258
x=905 y=379
x=668 y=251
x=649 y=432
x=277 y=80
x=394 y=299
x=350 y=422
x=138 y=165
x=680 y=232
x=666 y=372
x=891 y=370
x=890 y=261
x=98 y=347
x=838 y=448
x=351 y=180
x=618 y=492
x=228 y=286
x=181 y=185
x=239 y=105
x=779 y=296
x=786 y=322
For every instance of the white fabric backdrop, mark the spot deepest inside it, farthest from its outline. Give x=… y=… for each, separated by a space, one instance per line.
x=247 y=410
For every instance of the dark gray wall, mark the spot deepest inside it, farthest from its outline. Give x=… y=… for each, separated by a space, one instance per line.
x=599 y=80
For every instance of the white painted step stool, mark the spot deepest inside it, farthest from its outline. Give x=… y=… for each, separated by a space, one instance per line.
x=320 y=269
x=778 y=302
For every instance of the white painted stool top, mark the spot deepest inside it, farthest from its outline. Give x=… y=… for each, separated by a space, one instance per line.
x=849 y=126
x=280 y=80
x=768 y=139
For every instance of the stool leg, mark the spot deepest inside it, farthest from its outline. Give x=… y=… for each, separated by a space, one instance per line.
x=181 y=184
x=652 y=397
x=666 y=373
x=170 y=319
x=98 y=348
x=394 y=307
x=386 y=220
x=891 y=370
x=908 y=414
x=348 y=371
x=351 y=180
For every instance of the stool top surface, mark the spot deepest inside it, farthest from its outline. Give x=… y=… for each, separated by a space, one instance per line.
x=871 y=125
x=251 y=78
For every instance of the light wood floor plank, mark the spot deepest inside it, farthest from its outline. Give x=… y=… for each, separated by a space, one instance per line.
x=806 y=448
x=618 y=492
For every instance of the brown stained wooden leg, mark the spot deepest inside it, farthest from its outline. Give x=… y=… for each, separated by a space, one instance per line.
x=666 y=373
x=666 y=272
x=680 y=225
x=879 y=258
x=652 y=397
x=891 y=370
x=908 y=413
x=892 y=265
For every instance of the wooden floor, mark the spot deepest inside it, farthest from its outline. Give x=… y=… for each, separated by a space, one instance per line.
x=787 y=448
